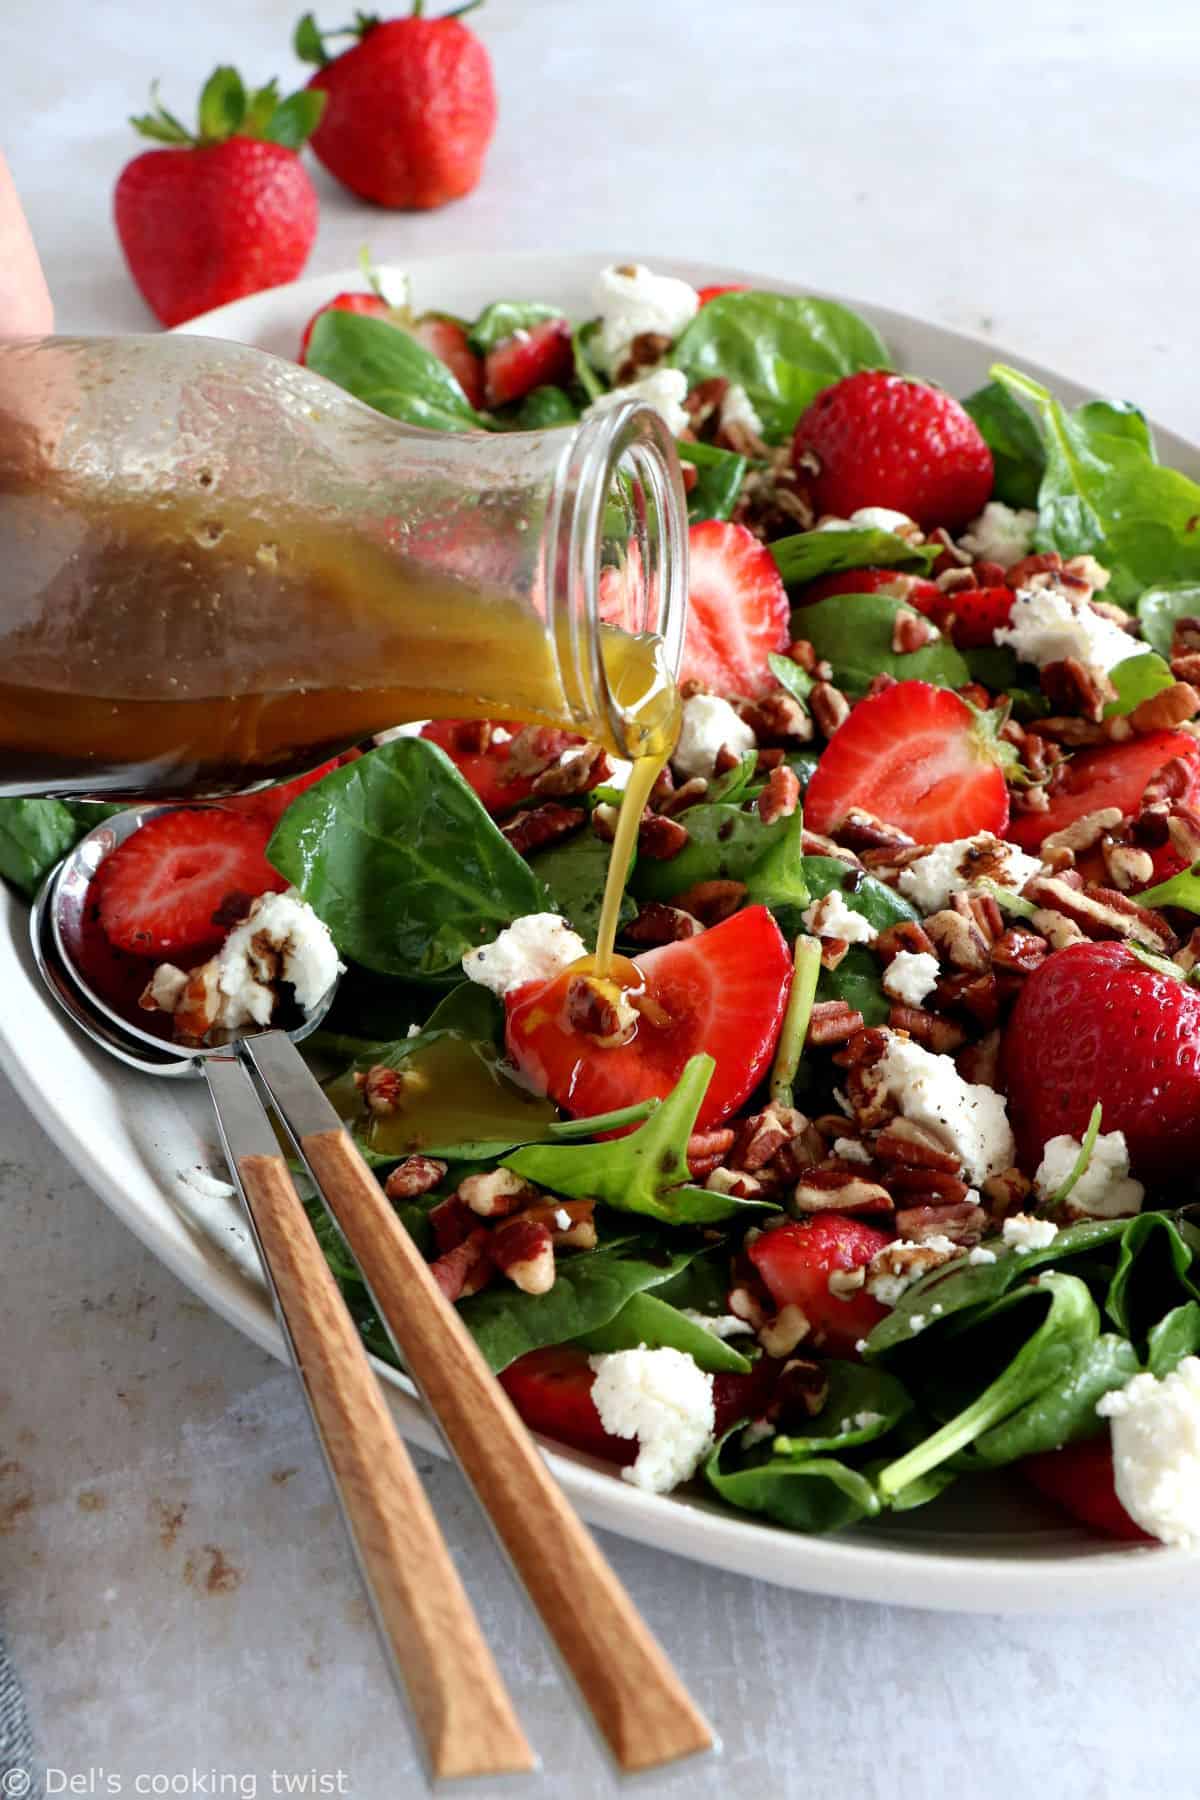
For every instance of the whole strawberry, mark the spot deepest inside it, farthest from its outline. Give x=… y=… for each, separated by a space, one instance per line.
x=411 y=107
x=875 y=439
x=1096 y=1023
x=222 y=211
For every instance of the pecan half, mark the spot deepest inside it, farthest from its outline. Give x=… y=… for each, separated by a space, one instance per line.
x=780 y=1335
x=838 y=1190
x=496 y=1194
x=1019 y=951
x=908 y=1145
x=829 y=707
x=538 y=826
x=1167 y=709
x=777 y=718
x=661 y=838
x=780 y=797
x=962 y=1224
x=958 y=940
x=711 y=901
x=940 y=1035
x=657 y=923
x=523 y=1249
x=911 y=631
x=1062 y=846
x=1006 y=1193
x=415 y=1175
x=833 y=1022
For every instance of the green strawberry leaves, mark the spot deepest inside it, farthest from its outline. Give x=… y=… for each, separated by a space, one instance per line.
x=228 y=109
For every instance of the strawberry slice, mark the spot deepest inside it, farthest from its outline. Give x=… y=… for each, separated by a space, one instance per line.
x=271 y=803
x=973 y=615
x=373 y=305
x=1079 y=1478
x=738 y=612
x=705 y=294
x=539 y=357
x=724 y=992
x=744 y=1396
x=796 y=1260
x=1108 y=775
x=168 y=889
x=915 y=756
x=490 y=771
x=914 y=589
x=552 y=1391
x=448 y=341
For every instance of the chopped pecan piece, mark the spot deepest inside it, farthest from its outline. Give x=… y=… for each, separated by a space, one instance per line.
x=1170 y=781
x=1072 y=687
x=451 y=1221
x=538 y=826
x=1057 y=929
x=414 y=1176
x=1186 y=666
x=733 y=1181
x=898 y=1265
x=908 y=1145
x=958 y=940
x=833 y=1022
x=843 y=1284
x=777 y=718
x=1128 y=867
x=800 y=1393
x=780 y=1335
x=842 y=1189
x=1060 y=847
x=1023 y=574
x=940 y=1035
x=1100 y=913
x=780 y=797
x=934 y=1186
x=829 y=707
x=977 y=995
x=657 y=923
x=705 y=1149
x=1006 y=1193
x=693 y=789
x=1166 y=709
x=523 y=1249
x=495 y=1194
x=465 y=1269
x=962 y=1224
x=381 y=1088
x=911 y=631
x=660 y=838
x=980 y=1062
x=761 y=1136
x=861 y=830
x=905 y=935
x=833 y=952
x=712 y=901
x=601 y=1012
x=645 y=351
x=571 y=1223
x=1183 y=829
x=1018 y=950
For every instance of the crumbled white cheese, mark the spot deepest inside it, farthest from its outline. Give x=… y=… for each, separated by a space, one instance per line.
x=536 y=947
x=832 y=918
x=899 y=1264
x=978 y=1256
x=665 y=390
x=166 y=986
x=709 y=724
x=1105 y=1190
x=1001 y=534
x=874 y=518
x=631 y=299
x=929 y=1091
x=1023 y=1233
x=308 y=961
x=1156 y=1451
x=736 y=409
x=864 y=1421
x=851 y=1150
x=664 y=1400
x=916 y=1323
x=720 y=1325
x=562 y=1218
x=911 y=976
x=960 y=866
x=1048 y=625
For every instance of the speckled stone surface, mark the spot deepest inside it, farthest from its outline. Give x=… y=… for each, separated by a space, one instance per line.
x=173 y=1582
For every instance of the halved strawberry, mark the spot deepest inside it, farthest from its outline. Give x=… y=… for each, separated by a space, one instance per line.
x=705 y=294
x=490 y=771
x=374 y=305
x=744 y=1396
x=1079 y=1478
x=914 y=589
x=552 y=1391
x=915 y=756
x=539 y=357
x=738 y=612
x=973 y=615
x=724 y=992
x=164 y=890
x=1108 y=775
x=271 y=803
x=448 y=341
x=796 y=1260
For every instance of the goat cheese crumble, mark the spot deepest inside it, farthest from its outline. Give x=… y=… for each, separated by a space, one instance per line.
x=664 y=389
x=1023 y=1233
x=1048 y=625
x=1105 y=1190
x=537 y=947
x=830 y=917
x=911 y=976
x=972 y=1119
x=1156 y=1451
x=736 y=409
x=959 y=867
x=718 y=1325
x=664 y=1400
x=709 y=724
x=631 y=299
x=1001 y=534
x=874 y=518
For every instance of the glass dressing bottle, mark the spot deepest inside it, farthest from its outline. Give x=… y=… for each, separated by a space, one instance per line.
x=217 y=569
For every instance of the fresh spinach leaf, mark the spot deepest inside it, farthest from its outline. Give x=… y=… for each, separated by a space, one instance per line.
x=1153 y=1274
x=386 y=368
x=395 y=853
x=720 y=474
x=646 y=1319
x=36 y=834
x=879 y=904
x=994 y=666
x=732 y=785
x=724 y=844
x=589 y=1290
x=1136 y=679
x=545 y=407
x=585 y=370
x=798 y=682
x=1175 y=1336
x=811 y=553
x=1182 y=890
x=858 y=980
x=859 y=1409
x=1104 y=494
x=1014 y=441
x=573 y=874
x=854 y=633
x=1159 y=608
x=645 y=1172
x=819 y=1495
x=1065 y=1411
x=776 y=878
x=703 y=1285
x=497 y=322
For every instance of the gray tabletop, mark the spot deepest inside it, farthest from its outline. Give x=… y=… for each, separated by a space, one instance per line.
x=173 y=1582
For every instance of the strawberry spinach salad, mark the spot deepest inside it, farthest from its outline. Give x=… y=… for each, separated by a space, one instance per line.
x=881 y=1176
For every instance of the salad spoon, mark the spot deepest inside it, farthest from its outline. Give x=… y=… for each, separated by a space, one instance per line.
x=641 y=1709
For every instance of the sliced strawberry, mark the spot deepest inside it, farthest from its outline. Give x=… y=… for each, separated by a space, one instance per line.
x=373 y=305
x=738 y=612
x=271 y=803
x=924 y=595
x=724 y=992
x=1079 y=1478
x=539 y=357
x=552 y=1391
x=1109 y=775
x=973 y=615
x=490 y=771
x=796 y=1260
x=168 y=889
x=705 y=294
x=915 y=756
x=448 y=341
x=744 y=1396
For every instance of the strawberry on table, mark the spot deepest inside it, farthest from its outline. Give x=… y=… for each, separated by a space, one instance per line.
x=223 y=211
x=917 y=756
x=879 y=439
x=1079 y=1478
x=795 y=1262
x=1094 y=1023
x=167 y=890
x=737 y=613
x=913 y=589
x=1108 y=775
x=411 y=107
x=538 y=357
x=724 y=992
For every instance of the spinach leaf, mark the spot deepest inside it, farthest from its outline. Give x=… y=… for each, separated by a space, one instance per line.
x=703 y=1285
x=1175 y=1336
x=585 y=370
x=1013 y=439
x=386 y=368
x=860 y=1408
x=858 y=980
x=1182 y=890
x=776 y=878
x=798 y=682
x=811 y=553
x=724 y=844
x=720 y=476
x=395 y=853
x=645 y=1172
x=854 y=633
x=994 y=666
x=544 y=407
x=783 y=350
x=731 y=787
x=1104 y=494
x=502 y=318
x=36 y=834
x=819 y=1495
x=1152 y=1275
x=1135 y=680
x=573 y=874
x=647 y=1319
x=589 y=1290
x=879 y=904
x=1066 y=1411
x=1160 y=607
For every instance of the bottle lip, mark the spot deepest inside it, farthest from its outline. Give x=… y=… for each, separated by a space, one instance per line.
x=626 y=443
